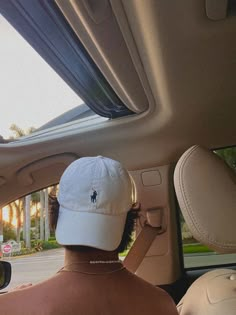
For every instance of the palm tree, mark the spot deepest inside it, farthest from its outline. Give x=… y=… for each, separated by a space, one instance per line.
x=19 y=132
x=42 y=202
x=35 y=199
x=27 y=221
x=16 y=208
x=11 y=212
x=47 y=231
x=1 y=228
x=19 y=207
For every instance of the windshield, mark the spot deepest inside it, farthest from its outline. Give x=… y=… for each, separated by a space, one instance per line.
x=32 y=93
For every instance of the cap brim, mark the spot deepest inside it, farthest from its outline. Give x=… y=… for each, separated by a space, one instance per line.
x=90 y=229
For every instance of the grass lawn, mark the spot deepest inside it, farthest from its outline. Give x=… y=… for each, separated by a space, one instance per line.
x=195 y=248
x=124 y=253
x=187 y=249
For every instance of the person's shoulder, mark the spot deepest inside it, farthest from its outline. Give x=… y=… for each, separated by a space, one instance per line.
x=9 y=303
x=7 y=296
x=161 y=302
x=157 y=299
x=18 y=300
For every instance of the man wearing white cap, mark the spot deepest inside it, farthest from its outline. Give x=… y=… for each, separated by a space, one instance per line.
x=94 y=221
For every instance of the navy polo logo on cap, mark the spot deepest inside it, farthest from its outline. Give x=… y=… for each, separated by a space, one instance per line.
x=94 y=196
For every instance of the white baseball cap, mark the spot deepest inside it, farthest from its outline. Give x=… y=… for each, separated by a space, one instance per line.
x=95 y=194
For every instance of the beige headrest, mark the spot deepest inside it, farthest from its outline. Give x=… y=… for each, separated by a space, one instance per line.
x=211 y=294
x=206 y=191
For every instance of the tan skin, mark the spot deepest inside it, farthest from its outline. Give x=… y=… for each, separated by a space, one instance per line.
x=112 y=290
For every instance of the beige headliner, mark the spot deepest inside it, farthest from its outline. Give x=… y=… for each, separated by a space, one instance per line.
x=184 y=67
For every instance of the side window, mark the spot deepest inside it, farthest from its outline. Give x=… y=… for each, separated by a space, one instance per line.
x=195 y=253
x=24 y=224
x=27 y=241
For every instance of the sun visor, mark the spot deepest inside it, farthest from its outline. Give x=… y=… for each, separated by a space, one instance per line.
x=206 y=191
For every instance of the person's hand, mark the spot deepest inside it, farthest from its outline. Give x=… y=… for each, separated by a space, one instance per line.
x=21 y=286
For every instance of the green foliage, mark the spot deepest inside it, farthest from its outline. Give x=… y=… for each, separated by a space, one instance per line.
x=124 y=253
x=24 y=251
x=196 y=248
x=35 y=197
x=228 y=155
x=34 y=243
x=50 y=244
x=52 y=238
x=41 y=245
x=19 y=132
x=8 y=232
x=21 y=236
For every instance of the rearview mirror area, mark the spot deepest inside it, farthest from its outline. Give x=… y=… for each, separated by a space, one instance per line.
x=5 y=274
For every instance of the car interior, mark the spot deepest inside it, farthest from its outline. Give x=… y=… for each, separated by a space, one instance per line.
x=158 y=82
x=5 y=274
x=195 y=171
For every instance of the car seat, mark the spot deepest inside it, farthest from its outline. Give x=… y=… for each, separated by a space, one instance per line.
x=206 y=191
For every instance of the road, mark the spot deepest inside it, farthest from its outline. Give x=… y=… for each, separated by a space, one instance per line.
x=208 y=259
x=38 y=267
x=35 y=268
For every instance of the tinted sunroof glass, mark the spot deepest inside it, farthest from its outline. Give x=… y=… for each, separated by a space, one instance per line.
x=32 y=93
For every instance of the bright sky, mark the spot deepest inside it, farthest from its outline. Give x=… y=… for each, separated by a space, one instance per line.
x=31 y=93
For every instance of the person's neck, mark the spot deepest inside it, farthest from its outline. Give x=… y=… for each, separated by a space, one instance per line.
x=94 y=255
